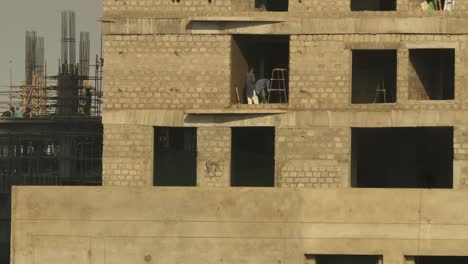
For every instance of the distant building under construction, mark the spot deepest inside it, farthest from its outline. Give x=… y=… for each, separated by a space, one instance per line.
x=51 y=132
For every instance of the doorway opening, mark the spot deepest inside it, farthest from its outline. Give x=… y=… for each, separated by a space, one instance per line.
x=253 y=156
x=268 y=56
x=438 y=259
x=175 y=156
x=402 y=157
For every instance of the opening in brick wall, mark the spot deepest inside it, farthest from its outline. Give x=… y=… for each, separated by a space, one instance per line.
x=373 y=5
x=419 y=157
x=260 y=69
x=436 y=259
x=253 y=156
x=175 y=156
x=433 y=5
x=5 y=222
x=343 y=259
x=374 y=74
x=431 y=74
x=272 y=5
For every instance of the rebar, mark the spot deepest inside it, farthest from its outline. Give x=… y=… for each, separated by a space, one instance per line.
x=68 y=92
x=85 y=44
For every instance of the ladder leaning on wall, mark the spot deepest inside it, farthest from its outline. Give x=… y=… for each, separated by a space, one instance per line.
x=278 y=84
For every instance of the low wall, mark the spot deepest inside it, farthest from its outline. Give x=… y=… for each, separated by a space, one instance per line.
x=232 y=225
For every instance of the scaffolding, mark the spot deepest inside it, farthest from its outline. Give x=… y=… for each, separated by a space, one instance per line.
x=50 y=159
x=73 y=92
x=50 y=129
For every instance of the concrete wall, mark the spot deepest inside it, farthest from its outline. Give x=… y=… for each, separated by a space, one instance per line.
x=238 y=225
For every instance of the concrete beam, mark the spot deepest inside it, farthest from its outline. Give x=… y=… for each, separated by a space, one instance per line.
x=286 y=25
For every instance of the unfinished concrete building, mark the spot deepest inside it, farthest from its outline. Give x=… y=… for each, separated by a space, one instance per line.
x=361 y=157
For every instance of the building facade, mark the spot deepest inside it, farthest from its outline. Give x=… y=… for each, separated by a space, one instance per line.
x=360 y=154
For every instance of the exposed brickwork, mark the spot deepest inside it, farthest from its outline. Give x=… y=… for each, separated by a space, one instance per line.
x=320 y=70
x=167 y=72
x=175 y=7
x=127 y=156
x=460 y=149
x=335 y=7
x=319 y=8
x=312 y=157
x=415 y=5
x=191 y=69
x=213 y=157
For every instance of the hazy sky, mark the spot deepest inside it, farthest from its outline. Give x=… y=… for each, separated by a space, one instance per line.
x=43 y=16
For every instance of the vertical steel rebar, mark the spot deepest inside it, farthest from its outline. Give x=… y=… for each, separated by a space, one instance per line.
x=11 y=85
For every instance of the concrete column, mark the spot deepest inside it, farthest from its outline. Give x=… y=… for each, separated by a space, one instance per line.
x=214 y=156
x=402 y=75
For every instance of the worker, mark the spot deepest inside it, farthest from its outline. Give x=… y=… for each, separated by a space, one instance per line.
x=28 y=112
x=87 y=106
x=260 y=87
x=250 y=85
x=18 y=112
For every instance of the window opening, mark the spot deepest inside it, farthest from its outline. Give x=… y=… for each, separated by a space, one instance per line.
x=373 y=5
x=436 y=260
x=272 y=5
x=374 y=76
x=431 y=74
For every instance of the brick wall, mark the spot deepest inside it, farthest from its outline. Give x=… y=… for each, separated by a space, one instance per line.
x=175 y=7
x=213 y=157
x=312 y=157
x=320 y=70
x=412 y=5
x=182 y=8
x=460 y=147
x=319 y=6
x=127 y=155
x=407 y=7
x=167 y=72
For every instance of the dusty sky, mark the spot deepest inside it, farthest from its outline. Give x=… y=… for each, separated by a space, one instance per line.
x=43 y=16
